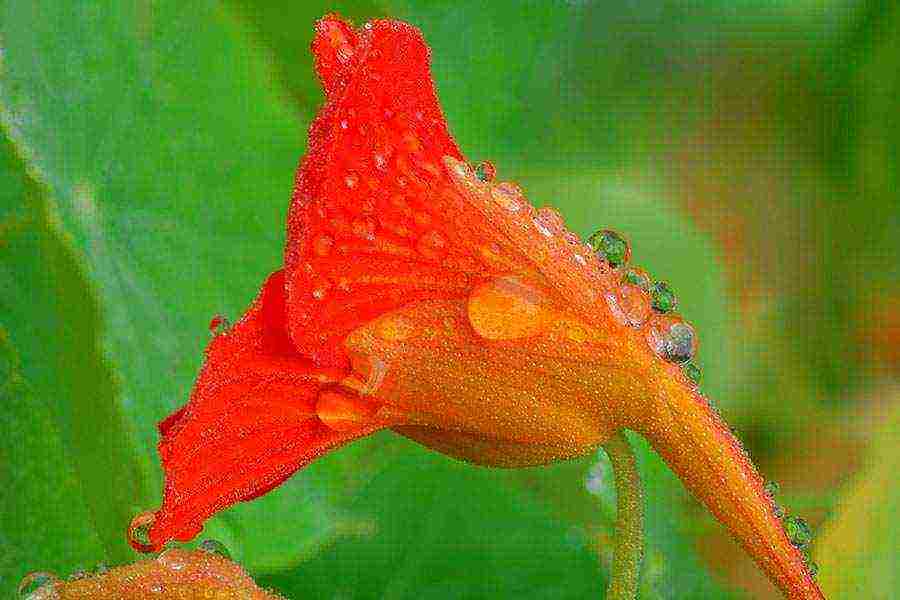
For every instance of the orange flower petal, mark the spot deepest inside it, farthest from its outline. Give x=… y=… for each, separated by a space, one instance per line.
x=251 y=422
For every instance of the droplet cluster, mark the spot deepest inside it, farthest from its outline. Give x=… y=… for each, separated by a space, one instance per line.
x=796 y=528
x=640 y=302
x=631 y=295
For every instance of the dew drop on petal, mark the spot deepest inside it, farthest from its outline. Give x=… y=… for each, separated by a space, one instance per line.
x=671 y=338
x=323 y=244
x=508 y=195
x=215 y=547
x=320 y=289
x=664 y=299
x=548 y=221
x=365 y=227
x=693 y=372
x=797 y=531
x=629 y=304
x=611 y=247
x=139 y=531
x=173 y=559
x=219 y=325
x=507 y=308
x=33 y=582
x=78 y=574
x=485 y=171
x=432 y=245
x=639 y=277
x=344 y=52
x=351 y=180
x=342 y=412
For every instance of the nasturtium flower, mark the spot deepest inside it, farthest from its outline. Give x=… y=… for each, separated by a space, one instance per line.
x=421 y=295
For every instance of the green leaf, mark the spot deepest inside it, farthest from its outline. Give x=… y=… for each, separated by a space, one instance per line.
x=69 y=471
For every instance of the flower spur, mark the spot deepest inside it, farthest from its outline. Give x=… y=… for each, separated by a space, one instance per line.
x=421 y=295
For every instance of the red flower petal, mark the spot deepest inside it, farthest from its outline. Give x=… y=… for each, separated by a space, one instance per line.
x=374 y=222
x=253 y=419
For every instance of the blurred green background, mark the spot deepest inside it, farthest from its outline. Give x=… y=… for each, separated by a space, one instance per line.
x=749 y=150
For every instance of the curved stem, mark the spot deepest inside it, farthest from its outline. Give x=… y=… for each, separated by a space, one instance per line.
x=629 y=550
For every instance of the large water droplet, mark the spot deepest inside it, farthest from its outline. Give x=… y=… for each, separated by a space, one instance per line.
x=508 y=195
x=323 y=244
x=342 y=412
x=629 y=304
x=664 y=299
x=173 y=558
x=672 y=338
x=139 y=531
x=219 y=325
x=485 y=171
x=692 y=372
x=548 y=221
x=215 y=547
x=351 y=180
x=611 y=247
x=432 y=244
x=507 y=308
x=797 y=531
x=639 y=277
x=35 y=581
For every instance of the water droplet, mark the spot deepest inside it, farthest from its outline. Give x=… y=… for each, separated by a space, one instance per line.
x=672 y=338
x=693 y=372
x=365 y=227
x=215 y=547
x=344 y=124
x=797 y=531
x=576 y=333
x=639 y=277
x=219 y=325
x=394 y=328
x=548 y=221
x=139 y=531
x=611 y=247
x=664 y=299
x=485 y=171
x=432 y=244
x=629 y=304
x=345 y=52
x=812 y=567
x=33 y=582
x=320 y=289
x=507 y=308
x=460 y=168
x=322 y=245
x=342 y=412
x=351 y=180
x=508 y=195
x=380 y=161
x=173 y=558
x=78 y=574
x=101 y=568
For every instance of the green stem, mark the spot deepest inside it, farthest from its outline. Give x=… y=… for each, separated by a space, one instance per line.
x=629 y=550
